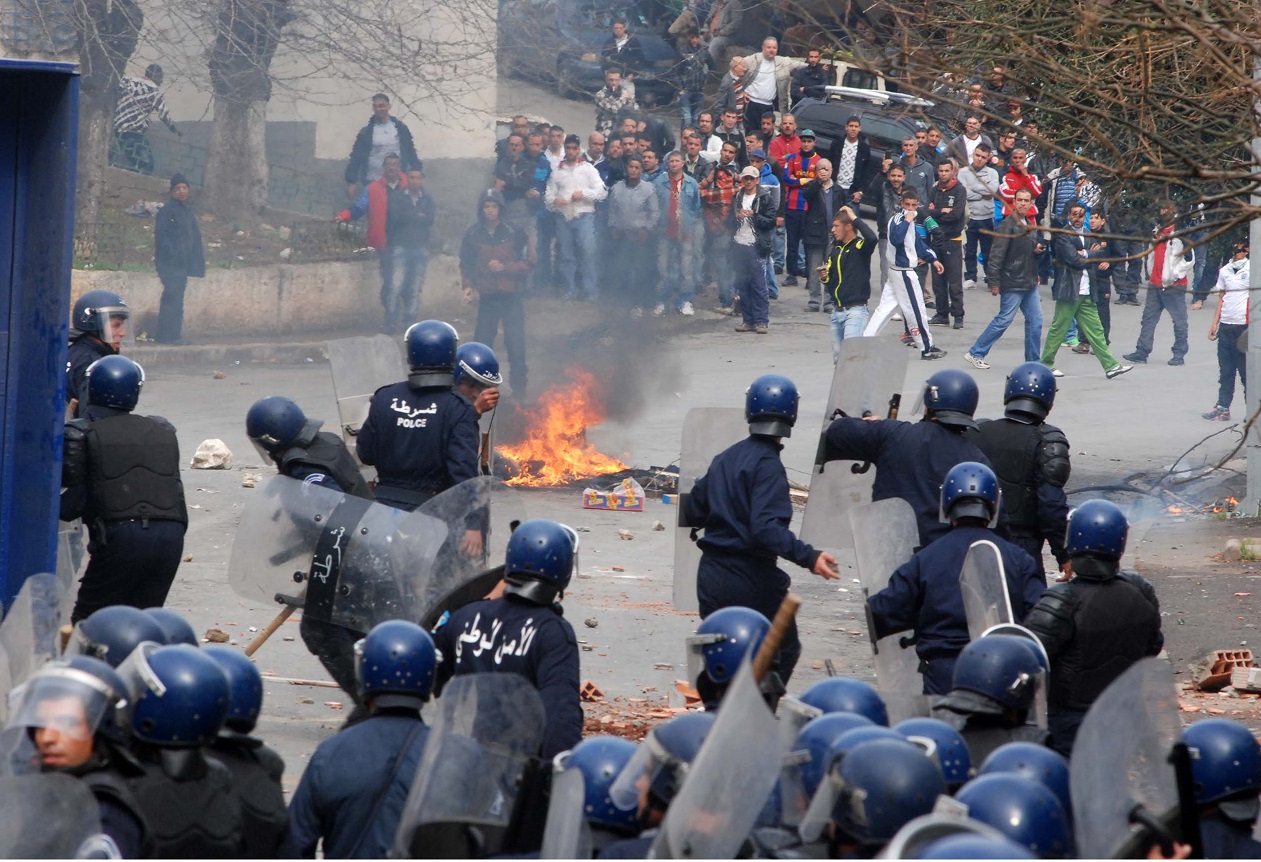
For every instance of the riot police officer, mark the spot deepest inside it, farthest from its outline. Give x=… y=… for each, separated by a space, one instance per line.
x=353 y=791
x=97 y=329
x=923 y=594
x=845 y=694
x=112 y=634
x=187 y=798
x=420 y=434
x=525 y=631
x=283 y=435
x=1022 y=809
x=1097 y=624
x=175 y=629
x=1226 y=766
x=912 y=458
x=742 y=506
x=723 y=640
x=74 y=713
x=1030 y=458
x=996 y=679
x=477 y=376
x=601 y=759
x=256 y=769
x=121 y=474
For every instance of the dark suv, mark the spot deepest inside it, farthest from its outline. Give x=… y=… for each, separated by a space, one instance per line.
x=884 y=125
x=561 y=40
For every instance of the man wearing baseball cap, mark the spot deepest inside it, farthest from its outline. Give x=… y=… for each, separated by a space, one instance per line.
x=753 y=224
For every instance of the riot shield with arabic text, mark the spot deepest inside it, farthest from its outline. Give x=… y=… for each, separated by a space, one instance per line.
x=487 y=728
x=868 y=381
x=729 y=781
x=50 y=816
x=1121 y=763
x=361 y=365
x=885 y=534
x=984 y=586
x=567 y=834
x=707 y=431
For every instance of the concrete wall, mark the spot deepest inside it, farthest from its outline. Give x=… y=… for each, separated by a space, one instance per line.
x=264 y=302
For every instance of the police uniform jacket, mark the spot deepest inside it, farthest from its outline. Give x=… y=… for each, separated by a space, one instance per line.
x=923 y=594
x=84 y=350
x=911 y=459
x=355 y=787
x=420 y=440
x=513 y=635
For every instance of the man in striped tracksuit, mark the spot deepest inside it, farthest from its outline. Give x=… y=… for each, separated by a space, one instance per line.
x=907 y=249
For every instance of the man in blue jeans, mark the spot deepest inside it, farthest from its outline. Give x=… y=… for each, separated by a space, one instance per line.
x=1012 y=273
x=846 y=276
x=573 y=190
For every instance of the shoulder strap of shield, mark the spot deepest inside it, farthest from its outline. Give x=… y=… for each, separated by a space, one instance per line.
x=1053 y=455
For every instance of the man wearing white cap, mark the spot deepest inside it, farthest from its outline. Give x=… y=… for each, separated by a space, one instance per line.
x=753 y=224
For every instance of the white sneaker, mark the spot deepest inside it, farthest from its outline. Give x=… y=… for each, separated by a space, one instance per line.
x=658 y=310
x=897 y=317
x=686 y=309
x=977 y=362
x=1055 y=372
x=969 y=285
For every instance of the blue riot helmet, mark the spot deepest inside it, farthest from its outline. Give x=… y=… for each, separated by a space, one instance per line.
x=843 y=694
x=477 y=364
x=661 y=761
x=44 y=700
x=175 y=629
x=952 y=751
x=1048 y=768
x=970 y=490
x=601 y=760
x=973 y=847
x=1097 y=529
x=94 y=310
x=276 y=423
x=770 y=405
x=245 y=687
x=950 y=396
x=994 y=674
x=115 y=382
x=1022 y=809
x=879 y=787
x=1030 y=392
x=816 y=740
x=539 y=560
x=861 y=735
x=110 y=634
x=397 y=660
x=183 y=701
x=1226 y=767
x=725 y=637
x=431 y=354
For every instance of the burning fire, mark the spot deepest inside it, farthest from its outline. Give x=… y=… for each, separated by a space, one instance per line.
x=555 y=449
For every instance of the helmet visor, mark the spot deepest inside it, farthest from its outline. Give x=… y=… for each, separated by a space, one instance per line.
x=66 y=700
x=137 y=675
x=641 y=770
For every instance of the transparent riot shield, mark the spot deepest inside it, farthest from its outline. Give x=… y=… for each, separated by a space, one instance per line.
x=48 y=816
x=706 y=432
x=566 y=834
x=1038 y=715
x=885 y=533
x=71 y=550
x=361 y=365
x=868 y=381
x=1121 y=762
x=487 y=727
x=922 y=831
x=729 y=781
x=353 y=562
x=28 y=634
x=984 y=586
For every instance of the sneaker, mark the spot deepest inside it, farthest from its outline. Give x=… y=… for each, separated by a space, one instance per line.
x=932 y=353
x=977 y=361
x=658 y=310
x=725 y=309
x=929 y=303
x=1177 y=360
x=745 y=327
x=828 y=309
x=969 y=284
x=939 y=321
x=1117 y=370
x=1055 y=372
x=761 y=329
x=1217 y=414
x=958 y=324
x=791 y=281
x=1081 y=348
x=686 y=309
x=896 y=317
x=908 y=340
x=1135 y=357
x=812 y=307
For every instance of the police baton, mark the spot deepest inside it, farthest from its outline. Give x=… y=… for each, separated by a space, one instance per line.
x=779 y=628
x=895 y=404
x=291 y=603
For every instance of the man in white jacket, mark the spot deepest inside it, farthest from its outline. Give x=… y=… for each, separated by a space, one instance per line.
x=572 y=192
x=1166 y=268
x=766 y=82
x=1230 y=322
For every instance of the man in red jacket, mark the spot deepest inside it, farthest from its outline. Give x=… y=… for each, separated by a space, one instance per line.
x=374 y=202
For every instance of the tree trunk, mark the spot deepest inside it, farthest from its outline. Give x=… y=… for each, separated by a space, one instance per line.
x=108 y=33
x=236 y=166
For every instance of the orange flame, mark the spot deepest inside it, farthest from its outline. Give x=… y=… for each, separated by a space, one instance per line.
x=1175 y=510
x=555 y=449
